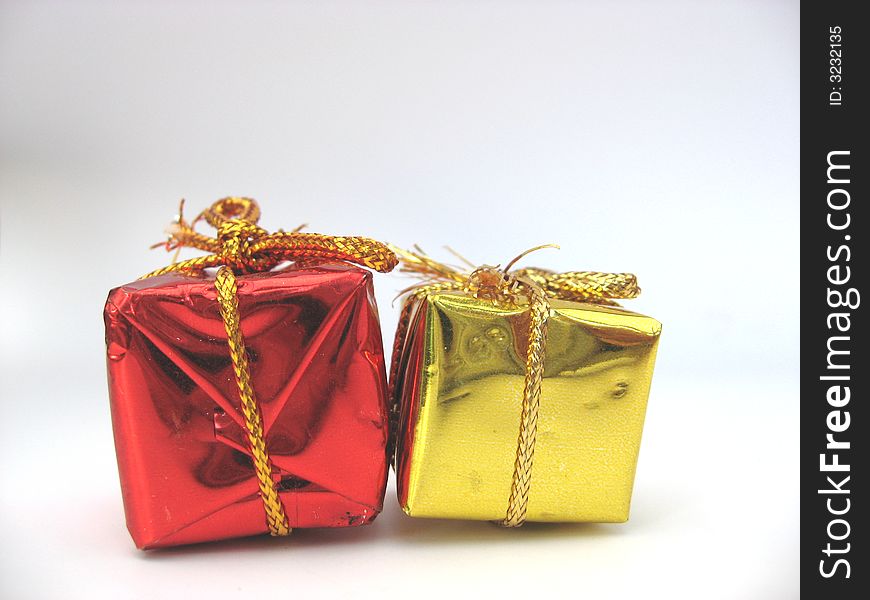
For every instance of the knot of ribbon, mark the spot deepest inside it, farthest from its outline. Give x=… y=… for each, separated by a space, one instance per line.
x=245 y=247
x=502 y=285
x=241 y=246
x=499 y=283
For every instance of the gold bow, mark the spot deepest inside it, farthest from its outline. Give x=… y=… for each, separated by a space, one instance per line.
x=243 y=247
x=503 y=285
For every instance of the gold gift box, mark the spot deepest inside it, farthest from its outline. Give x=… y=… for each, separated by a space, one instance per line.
x=459 y=385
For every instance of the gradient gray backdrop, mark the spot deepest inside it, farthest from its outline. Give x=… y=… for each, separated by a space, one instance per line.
x=654 y=137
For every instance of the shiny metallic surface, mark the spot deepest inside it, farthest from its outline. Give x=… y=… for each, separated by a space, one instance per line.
x=317 y=366
x=460 y=383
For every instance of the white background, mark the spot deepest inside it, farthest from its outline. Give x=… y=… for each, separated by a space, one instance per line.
x=654 y=137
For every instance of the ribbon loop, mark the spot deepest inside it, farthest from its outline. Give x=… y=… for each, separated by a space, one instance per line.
x=233 y=207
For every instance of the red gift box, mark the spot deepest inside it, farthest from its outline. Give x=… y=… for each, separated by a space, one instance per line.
x=317 y=368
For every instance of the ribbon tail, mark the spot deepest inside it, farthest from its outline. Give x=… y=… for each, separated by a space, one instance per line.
x=358 y=250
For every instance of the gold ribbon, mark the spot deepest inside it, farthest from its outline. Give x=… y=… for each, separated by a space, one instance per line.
x=243 y=247
x=502 y=285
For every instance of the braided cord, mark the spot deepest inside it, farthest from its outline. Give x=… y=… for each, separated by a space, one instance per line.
x=584 y=286
x=539 y=312
x=360 y=250
x=225 y=282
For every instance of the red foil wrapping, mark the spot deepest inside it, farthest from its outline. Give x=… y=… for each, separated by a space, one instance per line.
x=317 y=366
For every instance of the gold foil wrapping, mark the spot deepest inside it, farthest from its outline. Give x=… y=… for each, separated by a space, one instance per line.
x=460 y=389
